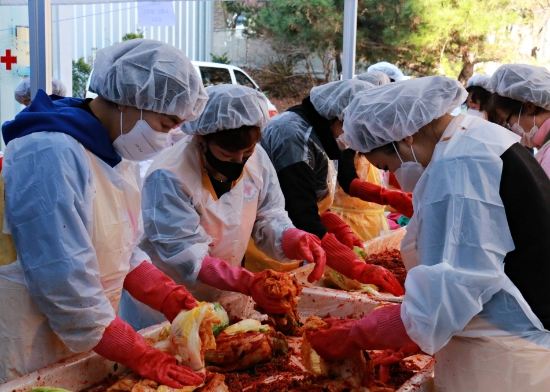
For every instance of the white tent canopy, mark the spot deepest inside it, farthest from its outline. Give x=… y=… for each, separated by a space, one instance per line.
x=40 y=36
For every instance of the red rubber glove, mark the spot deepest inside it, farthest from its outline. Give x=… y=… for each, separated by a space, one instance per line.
x=345 y=261
x=392 y=356
x=366 y=191
x=379 y=330
x=341 y=230
x=120 y=343
x=220 y=274
x=393 y=181
x=152 y=287
x=299 y=245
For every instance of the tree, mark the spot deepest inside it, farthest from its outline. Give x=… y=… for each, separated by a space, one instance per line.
x=129 y=36
x=310 y=26
x=459 y=31
x=444 y=36
x=233 y=9
x=534 y=16
x=81 y=73
x=221 y=59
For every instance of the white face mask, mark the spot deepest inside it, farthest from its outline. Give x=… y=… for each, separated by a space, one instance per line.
x=409 y=173
x=526 y=137
x=141 y=143
x=477 y=113
x=342 y=142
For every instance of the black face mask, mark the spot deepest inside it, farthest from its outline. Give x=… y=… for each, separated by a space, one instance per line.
x=231 y=170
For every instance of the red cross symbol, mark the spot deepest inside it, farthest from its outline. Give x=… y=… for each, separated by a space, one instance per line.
x=8 y=59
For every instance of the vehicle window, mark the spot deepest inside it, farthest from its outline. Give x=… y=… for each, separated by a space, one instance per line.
x=213 y=76
x=243 y=80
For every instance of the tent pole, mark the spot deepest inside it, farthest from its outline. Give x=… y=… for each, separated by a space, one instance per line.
x=40 y=36
x=350 y=32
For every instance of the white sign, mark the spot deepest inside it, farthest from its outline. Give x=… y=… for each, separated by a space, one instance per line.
x=156 y=13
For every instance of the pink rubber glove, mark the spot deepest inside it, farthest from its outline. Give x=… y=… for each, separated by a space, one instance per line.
x=341 y=230
x=299 y=245
x=152 y=287
x=366 y=191
x=345 y=261
x=220 y=274
x=379 y=330
x=120 y=343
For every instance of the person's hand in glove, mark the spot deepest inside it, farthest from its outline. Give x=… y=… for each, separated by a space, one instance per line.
x=120 y=343
x=299 y=245
x=392 y=356
x=345 y=261
x=353 y=186
x=381 y=329
x=151 y=286
x=366 y=191
x=220 y=274
x=341 y=230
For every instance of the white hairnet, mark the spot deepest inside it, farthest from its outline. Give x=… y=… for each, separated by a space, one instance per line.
x=480 y=80
x=375 y=77
x=230 y=106
x=389 y=69
x=522 y=82
x=393 y=111
x=332 y=98
x=23 y=90
x=149 y=75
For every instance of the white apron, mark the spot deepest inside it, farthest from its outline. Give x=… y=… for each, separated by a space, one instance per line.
x=228 y=221
x=27 y=342
x=483 y=357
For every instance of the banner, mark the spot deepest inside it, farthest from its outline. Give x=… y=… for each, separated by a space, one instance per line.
x=156 y=13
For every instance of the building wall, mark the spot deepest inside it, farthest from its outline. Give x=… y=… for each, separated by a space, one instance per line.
x=100 y=25
x=81 y=30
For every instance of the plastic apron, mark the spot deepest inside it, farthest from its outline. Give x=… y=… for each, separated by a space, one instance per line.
x=257 y=261
x=482 y=357
x=7 y=251
x=228 y=221
x=367 y=220
x=116 y=209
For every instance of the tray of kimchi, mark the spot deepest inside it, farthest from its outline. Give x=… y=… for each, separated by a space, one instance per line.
x=382 y=251
x=239 y=347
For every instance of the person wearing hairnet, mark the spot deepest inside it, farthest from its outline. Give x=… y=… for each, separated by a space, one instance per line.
x=72 y=205
x=301 y=143
x=206 y=196
x=22 y=92
x=477 y=259
x=522 y=103
x=479 y=94
x=389 y=69
x=377 y=78
x=366 y=219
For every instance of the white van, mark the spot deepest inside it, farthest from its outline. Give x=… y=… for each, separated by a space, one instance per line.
x=213 y=74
